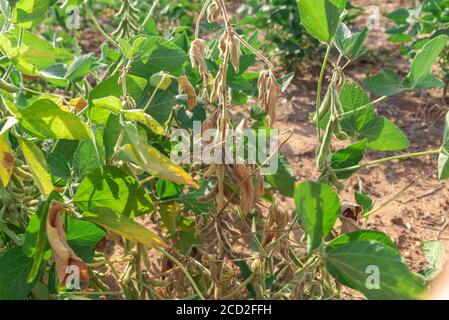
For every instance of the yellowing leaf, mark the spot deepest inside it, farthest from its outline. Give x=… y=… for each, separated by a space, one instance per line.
x=110 y=103
x=78 y=103
x=123 y=226
x=144 y=118
x=30 y=13
x=38 y=165
x=157 y=164
x=7 y=49
x=6 y=161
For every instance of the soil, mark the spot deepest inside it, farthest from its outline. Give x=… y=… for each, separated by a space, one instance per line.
x=421 y=213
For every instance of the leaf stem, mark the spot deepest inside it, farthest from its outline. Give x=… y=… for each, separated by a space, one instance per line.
x=150 y=14
x=318 y=93
x=99 y=28
x=366 y=106
x=200 y=16
x=380 y=161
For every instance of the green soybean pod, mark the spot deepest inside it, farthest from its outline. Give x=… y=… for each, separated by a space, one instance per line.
x=324 y=108
x=339 y=133
x=324 y=147
x=8 y=87
x=337 y=184
x=338 y=107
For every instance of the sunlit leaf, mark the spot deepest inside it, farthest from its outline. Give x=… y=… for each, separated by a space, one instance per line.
x=318 y=208
x=155 y=163
x=114 y=188
x=38 y=166
x=6 y=160
x=123 y=226
x=44 y=120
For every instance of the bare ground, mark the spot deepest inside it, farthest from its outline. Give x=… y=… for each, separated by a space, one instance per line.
x=421 y=213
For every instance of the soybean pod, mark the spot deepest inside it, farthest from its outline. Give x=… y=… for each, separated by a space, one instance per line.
x=8 y=87
x=324 y=147
x=324 y=108
x=337 y=110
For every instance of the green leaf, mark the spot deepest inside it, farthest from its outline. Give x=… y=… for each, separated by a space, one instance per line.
x=45 y=120
x=348 y=157
x=285 y=81
x=82 y=237
x=386 y=83
x=30 y=13
x=399 y=16
x=123 y=226
x=349 y=44
x=80 y=67
x=85 y=159
x=161 y=80
x=362 y=235
x=422 y=64
x=58 y=166
x=351 y=98
x=155 y=163
x=363 y=200
x=429 y=81
x=38 y=166
x=34 y=55
x=383 y=135
x=435 y=254
x=356 y=263
x=14 y=269
x=317 y=207
x=110 y=87
x=283 y=180
x=153 y=54
x=111 y=104
x=443 y=160
x=114 y=188
x=321 y=18
x=126 y=48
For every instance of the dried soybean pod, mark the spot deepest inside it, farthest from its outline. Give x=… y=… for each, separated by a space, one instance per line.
x=324 y=147
x=324 y=108
x=8 y=87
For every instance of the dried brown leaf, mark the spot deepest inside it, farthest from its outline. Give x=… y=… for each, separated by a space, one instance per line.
x=350 y=217
x=197 y=58
x=63 y=255
x=269 y=91
x=235 y=51
x=213 y=12
x=188 y=89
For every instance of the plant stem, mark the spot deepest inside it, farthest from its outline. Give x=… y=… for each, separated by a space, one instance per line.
x=318 y=91
x=150 y=14
x=200 y=16
x=253 y=50
x=386 y=203
x=379 y=100
x=184 y=270
x=99 y=28
x=153 y=95
x=399 y=157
